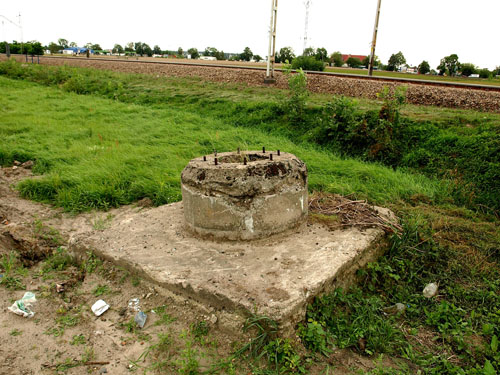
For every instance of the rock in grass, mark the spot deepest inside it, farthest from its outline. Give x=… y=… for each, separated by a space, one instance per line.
x=430 y=290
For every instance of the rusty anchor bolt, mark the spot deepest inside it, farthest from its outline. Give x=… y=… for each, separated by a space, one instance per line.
x=263 y=150
x=278 y=152
x=216 y=161
x=204 y=158
x=245 y=161
x=271 y=157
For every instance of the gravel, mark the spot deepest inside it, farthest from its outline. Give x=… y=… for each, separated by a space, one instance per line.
x=417 y=93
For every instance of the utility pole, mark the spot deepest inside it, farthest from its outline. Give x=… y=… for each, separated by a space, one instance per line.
x=7 y=47
x=272 y=44
x=306 y=26
x=374 y=41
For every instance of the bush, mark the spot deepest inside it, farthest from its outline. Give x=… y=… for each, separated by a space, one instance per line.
x=468 y=69
x=308 y=63
x=354 y=62
x=484 y=73
x=295 y=104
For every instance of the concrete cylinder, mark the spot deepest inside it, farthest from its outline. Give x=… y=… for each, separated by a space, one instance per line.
x=238 y=200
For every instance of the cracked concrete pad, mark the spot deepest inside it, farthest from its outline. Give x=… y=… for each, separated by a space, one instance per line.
x=276 y=276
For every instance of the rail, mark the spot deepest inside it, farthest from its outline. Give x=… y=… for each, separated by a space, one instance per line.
x=230 y=66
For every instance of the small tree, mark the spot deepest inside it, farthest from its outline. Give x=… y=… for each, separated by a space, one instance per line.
x=138 y=48
x=117 y=49
x=54 y=48
x=308 y=63
x=257 y=58
x=88 y=45
x=286 y=54
x=180 y=52
x=309 y=51
x=353 y=62
x=484 y=73
x=62 y=42
x=73 y=44
x=247 y=54
x=424 y=67
x=467 y=69
x=336 y=59
x=129 y=47
x=146 y=49
x=96 y=47
x=194 y=53
x=396 y=61
x=321 y=54
x=157 y=50
x=449 y=65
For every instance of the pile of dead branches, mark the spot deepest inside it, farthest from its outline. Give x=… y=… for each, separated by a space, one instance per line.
x=337 y=212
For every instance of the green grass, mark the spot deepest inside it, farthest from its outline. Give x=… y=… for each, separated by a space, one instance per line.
x=129 y=137
x=99 y=153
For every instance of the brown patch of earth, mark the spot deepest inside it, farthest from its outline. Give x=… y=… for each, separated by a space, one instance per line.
x=65 y=336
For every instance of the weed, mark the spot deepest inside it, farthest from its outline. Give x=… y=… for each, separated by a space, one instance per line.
x=101 y=290
x=188 y=363
x=101 y=223
x=91 y=262
x=266 y=331
x=15 y=332
x=136 y=281
x=58 y=261
x=7 y=263
x=163 y=317
x=200 y=329
x=78 y=340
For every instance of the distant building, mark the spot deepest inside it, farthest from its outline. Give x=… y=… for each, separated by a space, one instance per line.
x=76 y=51
x=211 y=58
x=360 y=57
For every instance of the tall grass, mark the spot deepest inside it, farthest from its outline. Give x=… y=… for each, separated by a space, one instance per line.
x=100 y=153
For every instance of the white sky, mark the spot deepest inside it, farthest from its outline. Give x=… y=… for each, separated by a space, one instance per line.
x=422 y=30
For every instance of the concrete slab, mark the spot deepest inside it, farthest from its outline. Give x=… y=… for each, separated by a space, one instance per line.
x=276 y=277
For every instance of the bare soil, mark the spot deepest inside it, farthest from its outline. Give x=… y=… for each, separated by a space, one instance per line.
x=65 y=337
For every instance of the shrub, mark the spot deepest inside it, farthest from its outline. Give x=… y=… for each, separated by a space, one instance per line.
x=308 y=63
x=353 y=62
x=295 y=104
x=484 y=73
x=468 y=69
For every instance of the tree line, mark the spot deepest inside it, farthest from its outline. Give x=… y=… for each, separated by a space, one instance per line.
x=311 y=58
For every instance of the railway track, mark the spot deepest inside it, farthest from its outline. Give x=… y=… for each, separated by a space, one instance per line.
x=333 y=74
x=419 y=92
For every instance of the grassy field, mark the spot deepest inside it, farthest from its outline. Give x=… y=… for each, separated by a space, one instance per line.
x=103 y=139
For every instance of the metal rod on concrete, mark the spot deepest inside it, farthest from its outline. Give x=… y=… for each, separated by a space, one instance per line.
x=216 y=162
x=278 y=152
x=263 y=150
x=271 y=157
x=245 y=161
x=204 y=158
x=374 y=40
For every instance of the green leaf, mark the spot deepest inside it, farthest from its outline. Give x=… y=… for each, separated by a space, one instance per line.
x=494 y=344
x=489 y=369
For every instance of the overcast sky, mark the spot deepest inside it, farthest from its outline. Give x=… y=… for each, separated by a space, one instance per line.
x=422 y=30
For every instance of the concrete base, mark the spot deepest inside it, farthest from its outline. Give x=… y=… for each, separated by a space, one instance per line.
x=270 y=80
x=276 y=277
